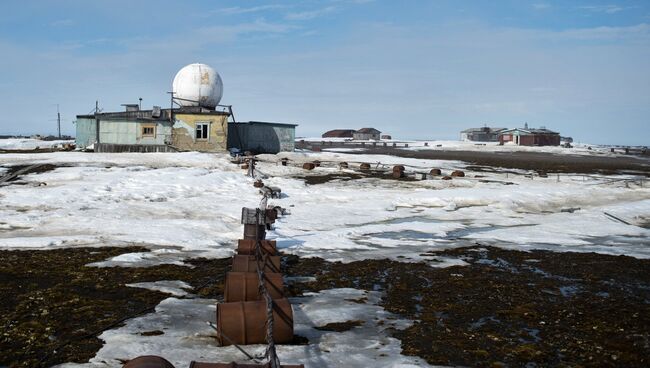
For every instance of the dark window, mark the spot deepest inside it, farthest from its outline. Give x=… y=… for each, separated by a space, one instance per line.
x=148 y=131
x=202 y=130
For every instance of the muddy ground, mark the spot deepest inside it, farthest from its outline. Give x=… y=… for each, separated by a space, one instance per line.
x=507 y=308
x=535 y=161
x=52 y=302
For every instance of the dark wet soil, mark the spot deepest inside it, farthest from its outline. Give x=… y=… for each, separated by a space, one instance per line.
x=16 y=171
x=347 y=176
x=508 y=308
x=50 y=298
x=340 y=326
x=536 y=161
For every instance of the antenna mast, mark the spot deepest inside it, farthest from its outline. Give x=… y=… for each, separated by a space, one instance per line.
x=58 y=120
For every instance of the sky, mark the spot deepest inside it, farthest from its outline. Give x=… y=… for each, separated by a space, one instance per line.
x=415 y=69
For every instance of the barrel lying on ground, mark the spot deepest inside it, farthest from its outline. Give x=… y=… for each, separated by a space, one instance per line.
x=244 y=323
x=148 y=361
x=365 y=166
x=458 y=173
x=308 y=166
x=245 y=286
x=237 y=365
x=435 y=172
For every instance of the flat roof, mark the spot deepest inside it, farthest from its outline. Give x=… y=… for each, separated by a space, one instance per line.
x=263 y=123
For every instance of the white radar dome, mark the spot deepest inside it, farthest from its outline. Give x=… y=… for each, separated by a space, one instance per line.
x=197 y=85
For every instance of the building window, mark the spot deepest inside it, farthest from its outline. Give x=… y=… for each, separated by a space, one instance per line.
x=148 y=131
x=202 y=130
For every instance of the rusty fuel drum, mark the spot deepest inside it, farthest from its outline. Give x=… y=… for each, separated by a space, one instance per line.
x=400 y=168
x=252 y=231
x=148 y=361
x=237 y=365
x=245 y=322
x=435 y=172
x=245 y=286
x=343 y=165
x=458 y=173
x=247 y=247
x=365 y=166
x=248 y=263
x=308 y=166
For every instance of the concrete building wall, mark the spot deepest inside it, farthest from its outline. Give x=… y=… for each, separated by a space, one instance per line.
x=86 y=134
x=184 y=132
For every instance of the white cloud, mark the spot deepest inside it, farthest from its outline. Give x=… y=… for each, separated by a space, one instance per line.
x=62 y=23
x=609 y=9
x=541 y=6
x=254 y=9
x=311 y=14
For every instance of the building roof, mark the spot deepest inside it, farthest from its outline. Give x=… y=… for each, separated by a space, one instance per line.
x=148 y=114
x=368 y=131
x=483 y=129
x=338 y=133
x=530 y=131
x=265 y=123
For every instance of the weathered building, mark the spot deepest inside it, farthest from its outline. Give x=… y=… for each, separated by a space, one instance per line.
x=262 y=137
x=530 y=137
x=157 y=130
x=484 y=134
x=365 y=134
x=339 y=133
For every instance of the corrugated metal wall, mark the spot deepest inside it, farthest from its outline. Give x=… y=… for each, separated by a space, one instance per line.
x=261 y=138
x=85 y=132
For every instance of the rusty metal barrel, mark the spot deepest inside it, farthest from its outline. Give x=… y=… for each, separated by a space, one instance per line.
x=308 y=166
x=244 y=166
x=343 y=165
x=284 y=161
x=247 y=247
x=365 y=166
x=458 y=173
x=446 y=178
x=245 y=322
x=237 y=365
x=245 y=286
x=258 y=183
x=398 y=171
x=435 y=172
x=252 y=231
x=248 y=263
x=148 y=361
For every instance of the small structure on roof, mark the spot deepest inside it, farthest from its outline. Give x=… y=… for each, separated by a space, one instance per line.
x=484 y=134
x=530 y=136
x=365 y=134
x=339 y=133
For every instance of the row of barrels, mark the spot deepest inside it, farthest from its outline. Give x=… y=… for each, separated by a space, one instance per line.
x=243 y=315
x=399 y=171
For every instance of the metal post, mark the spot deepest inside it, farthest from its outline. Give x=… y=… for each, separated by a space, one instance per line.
x=58 y=120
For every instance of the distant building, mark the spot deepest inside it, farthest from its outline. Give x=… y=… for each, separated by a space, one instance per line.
x=339 y=133
x=365 y=134
x=386 y=136
x=530 y=136
x=484 y=134
x=262 y=137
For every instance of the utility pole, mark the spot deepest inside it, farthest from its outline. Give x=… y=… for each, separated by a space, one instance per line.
x=58 y=120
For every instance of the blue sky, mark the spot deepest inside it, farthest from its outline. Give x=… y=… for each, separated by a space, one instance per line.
x=413 y=69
